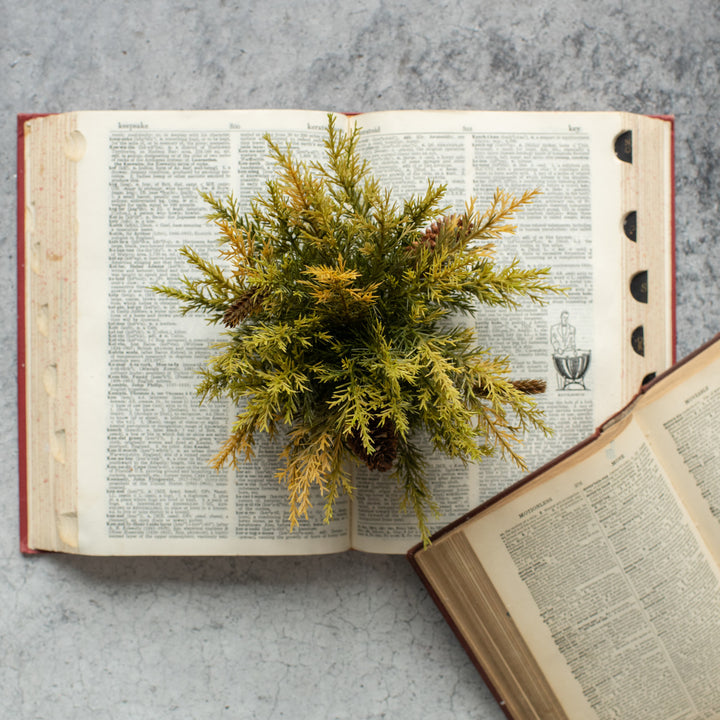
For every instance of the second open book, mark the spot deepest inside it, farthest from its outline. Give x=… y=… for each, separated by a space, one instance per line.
x=592 y=589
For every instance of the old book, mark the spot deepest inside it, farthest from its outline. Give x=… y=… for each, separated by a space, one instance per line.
x=591 y=589
x=114 y=446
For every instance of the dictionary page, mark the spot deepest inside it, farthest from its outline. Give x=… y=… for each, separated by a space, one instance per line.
x=610 y=584
x=681 y=418
x=578 y=343
x=144 y=442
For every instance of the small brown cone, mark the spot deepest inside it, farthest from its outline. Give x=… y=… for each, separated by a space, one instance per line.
x=243 y=307
x=384 y=440
x=429 y=237
x=529 y=387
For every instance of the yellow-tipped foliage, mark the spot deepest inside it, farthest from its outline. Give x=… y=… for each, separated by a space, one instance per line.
x=336 y=310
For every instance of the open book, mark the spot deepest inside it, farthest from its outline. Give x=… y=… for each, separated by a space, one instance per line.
x=114 y=446
x=591 y=589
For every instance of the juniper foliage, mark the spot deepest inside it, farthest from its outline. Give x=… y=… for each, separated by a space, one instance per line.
x=338 y=306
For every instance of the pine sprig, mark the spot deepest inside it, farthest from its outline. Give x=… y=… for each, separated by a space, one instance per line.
x=337 y=303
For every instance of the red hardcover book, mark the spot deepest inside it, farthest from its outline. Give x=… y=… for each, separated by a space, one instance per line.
x=97 y=190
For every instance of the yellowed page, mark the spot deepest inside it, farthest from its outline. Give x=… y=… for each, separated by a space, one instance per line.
x=576 y=228
x=144 y=483
x=682 y=422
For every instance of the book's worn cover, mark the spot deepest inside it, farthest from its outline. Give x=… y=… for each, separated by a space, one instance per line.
x=413 y=552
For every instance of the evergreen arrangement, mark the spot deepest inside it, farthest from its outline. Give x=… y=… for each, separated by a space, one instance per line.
x=341 y=329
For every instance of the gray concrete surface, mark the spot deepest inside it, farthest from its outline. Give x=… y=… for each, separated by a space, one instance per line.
x=348 y=636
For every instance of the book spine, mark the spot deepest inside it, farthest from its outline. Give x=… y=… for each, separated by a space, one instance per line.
x=22 y=430
x=22 y=118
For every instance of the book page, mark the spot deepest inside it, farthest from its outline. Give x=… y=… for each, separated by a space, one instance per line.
x=681 y=418
x=380 y=521
x=610 y=584
x=576 y=342
x=144 y=482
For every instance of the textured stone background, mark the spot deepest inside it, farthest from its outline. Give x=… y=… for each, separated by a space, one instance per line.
x=349 y=636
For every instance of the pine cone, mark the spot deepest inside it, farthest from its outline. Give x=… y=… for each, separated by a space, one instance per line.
x=384 y=440
x=243 y=307
x=430 y=236
x=529 y=387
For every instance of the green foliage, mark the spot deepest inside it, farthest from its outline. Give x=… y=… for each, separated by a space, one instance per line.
x=339 y=304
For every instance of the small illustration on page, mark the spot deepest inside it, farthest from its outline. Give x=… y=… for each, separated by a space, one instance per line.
x=570 y=363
